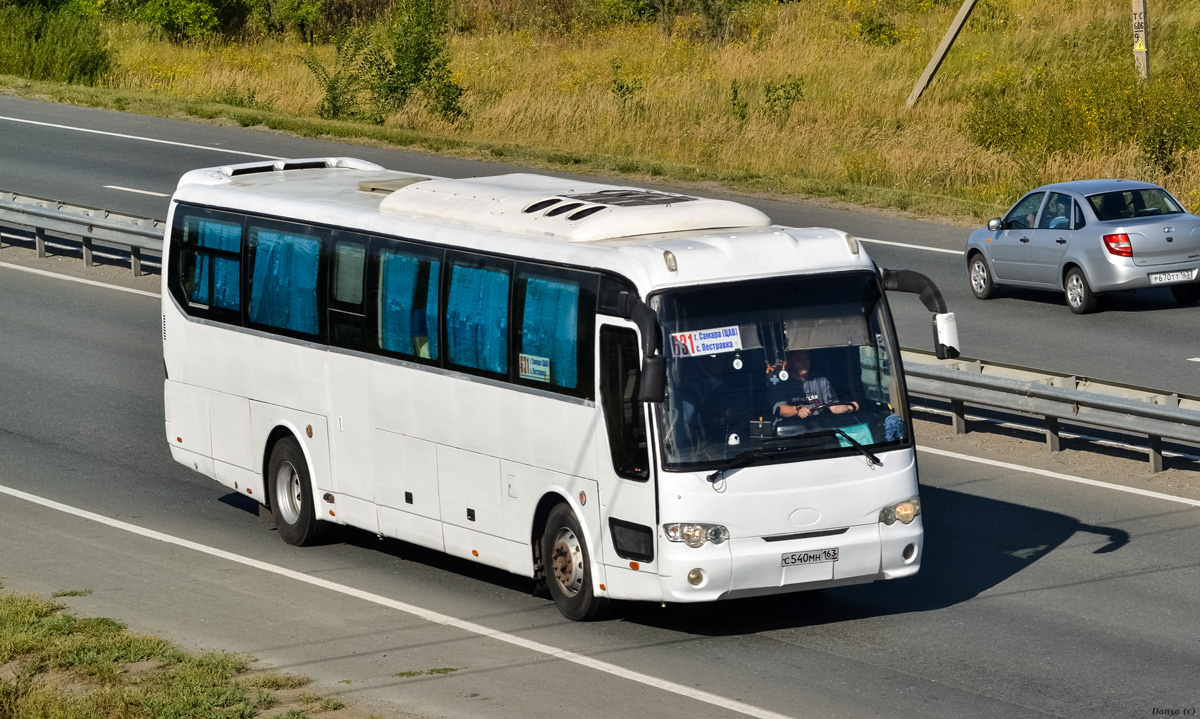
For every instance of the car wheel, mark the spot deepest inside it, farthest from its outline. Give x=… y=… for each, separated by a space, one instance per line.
x=1186 y=294
x=568 y=567
x=1080 y=297
x=982 y=285
x=291 y=495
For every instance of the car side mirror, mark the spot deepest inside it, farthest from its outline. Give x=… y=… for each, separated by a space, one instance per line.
x=995 y=224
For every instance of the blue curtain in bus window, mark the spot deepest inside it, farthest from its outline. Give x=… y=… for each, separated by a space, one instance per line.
x=404 y=327
x=549 y=328
x=218 y=236
x=284 y=290
x=477 y=318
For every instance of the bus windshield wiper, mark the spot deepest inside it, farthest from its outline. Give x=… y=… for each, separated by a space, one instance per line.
x=853 y=443
x=745 y=459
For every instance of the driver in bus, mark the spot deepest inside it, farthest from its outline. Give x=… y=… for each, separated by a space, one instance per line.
x=815 y=394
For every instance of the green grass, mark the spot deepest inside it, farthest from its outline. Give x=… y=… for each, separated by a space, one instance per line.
x=67 y=667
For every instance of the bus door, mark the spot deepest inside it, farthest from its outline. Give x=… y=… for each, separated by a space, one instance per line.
x=628 y=493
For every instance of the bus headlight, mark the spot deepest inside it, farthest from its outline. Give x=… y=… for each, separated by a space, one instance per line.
x=904 y=512
x=695 y=535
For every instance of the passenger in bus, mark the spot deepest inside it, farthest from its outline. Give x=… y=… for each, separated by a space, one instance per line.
x=813 y=395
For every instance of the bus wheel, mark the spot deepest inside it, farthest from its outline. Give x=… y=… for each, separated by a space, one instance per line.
x=291 y=495
x=565 y=554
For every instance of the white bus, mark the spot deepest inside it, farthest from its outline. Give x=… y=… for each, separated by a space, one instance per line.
x=621 y=393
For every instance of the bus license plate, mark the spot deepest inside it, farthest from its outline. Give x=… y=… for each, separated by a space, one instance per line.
x=1164 y=278
x=816 y=556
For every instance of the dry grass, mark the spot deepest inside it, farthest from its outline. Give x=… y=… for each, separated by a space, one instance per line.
x=851 y=135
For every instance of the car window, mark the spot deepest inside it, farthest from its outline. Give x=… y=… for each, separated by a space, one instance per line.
x=1057 y=215
x=1079 y=221
x=1144 y=202
x=1022 y=216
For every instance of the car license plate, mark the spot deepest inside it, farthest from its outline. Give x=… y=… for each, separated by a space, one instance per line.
x=1165 y=278
x=816 y=556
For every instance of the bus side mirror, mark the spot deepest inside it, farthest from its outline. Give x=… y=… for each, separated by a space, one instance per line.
x=945 y=335
x=945 y=328
x=652 y=386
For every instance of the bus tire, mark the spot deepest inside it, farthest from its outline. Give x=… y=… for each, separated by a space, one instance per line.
x=568 y=567
x=291 y=495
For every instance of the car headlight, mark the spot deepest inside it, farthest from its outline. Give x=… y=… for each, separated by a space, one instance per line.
x=904 y=512
x=695 y=535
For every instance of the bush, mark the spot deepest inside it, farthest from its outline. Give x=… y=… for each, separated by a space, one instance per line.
x=413 y=56
x=55 y=45
x=1086 y=106
x=194 y=19
x=343 y=84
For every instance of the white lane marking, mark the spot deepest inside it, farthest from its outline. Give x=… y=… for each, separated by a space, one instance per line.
x=911 y=247
x=80 y=280
x=427 y=615
x=1194 y=359
x=140 y=192
x=143 y=139
x=1058 y=475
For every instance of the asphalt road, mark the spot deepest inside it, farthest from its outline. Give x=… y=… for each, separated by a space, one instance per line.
x=80 y=155
x=1037 y=597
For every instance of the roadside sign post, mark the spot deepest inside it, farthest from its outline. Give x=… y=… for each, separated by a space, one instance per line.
x=1141 y=53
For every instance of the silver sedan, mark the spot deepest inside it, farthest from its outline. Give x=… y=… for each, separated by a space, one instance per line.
x=1087 y=237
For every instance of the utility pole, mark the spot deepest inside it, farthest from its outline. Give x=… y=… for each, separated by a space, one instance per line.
x=1141 y=43
x=940 y=54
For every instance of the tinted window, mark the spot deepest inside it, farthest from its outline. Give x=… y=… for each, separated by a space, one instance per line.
x=1133 y=203
x=1023 y=216
x=1079 y=221
x=349 y=258
x=477 y=315
x=1057 y=215
x=284 y=265
x=406 y=302
x=210 y=263
x=549 y=341
x=619 y=368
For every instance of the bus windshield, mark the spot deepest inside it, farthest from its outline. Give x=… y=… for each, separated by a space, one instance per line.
x=780 y=370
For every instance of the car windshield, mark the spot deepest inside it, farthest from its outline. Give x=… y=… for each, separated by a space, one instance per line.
x=779 y=370
x=1125 y=204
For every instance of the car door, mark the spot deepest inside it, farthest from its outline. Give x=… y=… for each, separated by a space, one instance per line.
x=1048 y=240
x=1009 y=250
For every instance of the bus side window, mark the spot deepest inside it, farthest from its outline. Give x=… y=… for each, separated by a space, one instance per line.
x=210 y=262
x=619 y=371
x=477 y=315
x=284 y=268
x=554 y=311
x=346 y=320
x=406 y=302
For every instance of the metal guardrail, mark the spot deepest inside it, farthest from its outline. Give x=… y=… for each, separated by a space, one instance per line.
x=87 y=223
x=1056 y=398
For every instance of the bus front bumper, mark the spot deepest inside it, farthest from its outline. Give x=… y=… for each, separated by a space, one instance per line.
x=753 y=566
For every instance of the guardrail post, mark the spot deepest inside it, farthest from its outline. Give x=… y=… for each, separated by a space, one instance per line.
x=958 y=416
x=87 y=252
x=39 y=239
x=135 y=260
x=1156 y=458
x=1053 y=440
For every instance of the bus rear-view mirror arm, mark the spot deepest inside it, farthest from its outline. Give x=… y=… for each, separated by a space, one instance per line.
x=652 y=385
x=945 y=328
